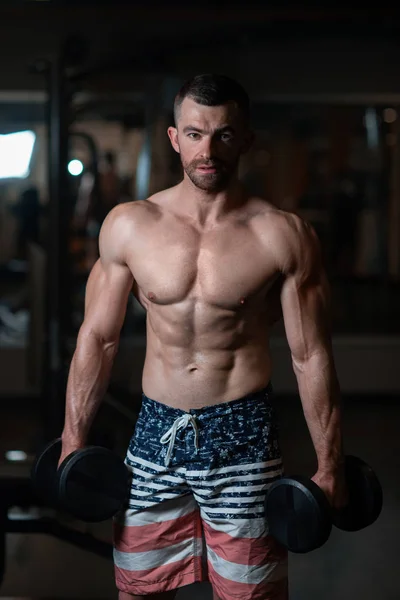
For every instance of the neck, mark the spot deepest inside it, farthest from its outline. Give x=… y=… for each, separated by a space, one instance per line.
x=207 y=208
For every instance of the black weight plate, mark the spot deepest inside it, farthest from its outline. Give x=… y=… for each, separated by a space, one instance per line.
x=44 y=471
x=298 y=514
x=93 y=484
x=365 y=497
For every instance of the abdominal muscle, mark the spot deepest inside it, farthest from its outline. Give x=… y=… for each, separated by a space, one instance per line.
x=225 y=359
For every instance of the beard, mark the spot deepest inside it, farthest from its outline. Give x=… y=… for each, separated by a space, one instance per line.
x=211 y=182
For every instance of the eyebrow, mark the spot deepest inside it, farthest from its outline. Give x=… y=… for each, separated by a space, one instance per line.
x=224 y=128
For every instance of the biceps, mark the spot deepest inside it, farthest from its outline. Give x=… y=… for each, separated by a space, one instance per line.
x=107 y=293
x=306 y=316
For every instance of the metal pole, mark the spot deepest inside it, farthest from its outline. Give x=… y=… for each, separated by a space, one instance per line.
x=57 y=268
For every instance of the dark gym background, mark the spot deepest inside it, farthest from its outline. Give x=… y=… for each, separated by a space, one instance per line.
x=97 y=79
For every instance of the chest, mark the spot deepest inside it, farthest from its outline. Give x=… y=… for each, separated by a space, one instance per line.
x=223 y=267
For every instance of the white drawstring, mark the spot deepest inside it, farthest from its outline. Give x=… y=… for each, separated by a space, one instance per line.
x=169 y=436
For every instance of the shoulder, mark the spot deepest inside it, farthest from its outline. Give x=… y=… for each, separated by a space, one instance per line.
x=129 y=216
x=122 y=226
x=128 y=221
x=295 y=231
x=290 y=238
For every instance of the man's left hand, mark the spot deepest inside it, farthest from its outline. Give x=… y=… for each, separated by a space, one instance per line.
x=334 y=487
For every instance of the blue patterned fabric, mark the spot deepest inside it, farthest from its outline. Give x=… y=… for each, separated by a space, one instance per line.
x=239 y=432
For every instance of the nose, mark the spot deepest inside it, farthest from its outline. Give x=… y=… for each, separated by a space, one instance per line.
x=208 y=148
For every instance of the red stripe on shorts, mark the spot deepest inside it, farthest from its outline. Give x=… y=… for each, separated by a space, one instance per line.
x=141 y=538
x=244 y=551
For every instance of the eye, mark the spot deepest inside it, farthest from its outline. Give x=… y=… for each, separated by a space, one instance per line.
x=226 y=137
x=193 y=136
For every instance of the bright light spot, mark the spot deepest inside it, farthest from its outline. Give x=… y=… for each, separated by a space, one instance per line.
x=16 y=455
x=389 y=115
x=75 y=167
x=15 y=154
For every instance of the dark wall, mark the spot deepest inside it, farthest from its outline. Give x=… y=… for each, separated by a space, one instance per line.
x=274 y=52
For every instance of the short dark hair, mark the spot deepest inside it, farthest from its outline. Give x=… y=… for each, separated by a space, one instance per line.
x=213 y=90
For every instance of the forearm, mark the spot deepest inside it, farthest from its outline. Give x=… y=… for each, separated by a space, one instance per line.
x=88 y=380
x=320 y=396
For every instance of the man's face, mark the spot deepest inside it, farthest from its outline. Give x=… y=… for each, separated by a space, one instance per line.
x=210 y=141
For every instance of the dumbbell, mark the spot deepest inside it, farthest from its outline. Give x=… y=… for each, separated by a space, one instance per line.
x=91 y=484
x=300 y=516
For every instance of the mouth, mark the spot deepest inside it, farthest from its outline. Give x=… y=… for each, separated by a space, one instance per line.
x=207 y=169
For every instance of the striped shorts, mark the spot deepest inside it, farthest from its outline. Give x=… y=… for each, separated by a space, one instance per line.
x=196 y=506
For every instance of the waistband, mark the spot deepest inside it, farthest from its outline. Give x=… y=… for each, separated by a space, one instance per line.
x=154 y=407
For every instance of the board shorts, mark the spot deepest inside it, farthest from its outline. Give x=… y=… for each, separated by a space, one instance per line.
x=196 y=506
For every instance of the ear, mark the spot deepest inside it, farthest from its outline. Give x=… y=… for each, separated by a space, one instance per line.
x=248 y=141
x=173 y=136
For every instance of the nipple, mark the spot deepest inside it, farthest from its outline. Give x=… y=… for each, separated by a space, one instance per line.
x=152 y=296
x=242 y=300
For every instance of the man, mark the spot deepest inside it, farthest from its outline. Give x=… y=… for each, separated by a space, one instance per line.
x=207 y=261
